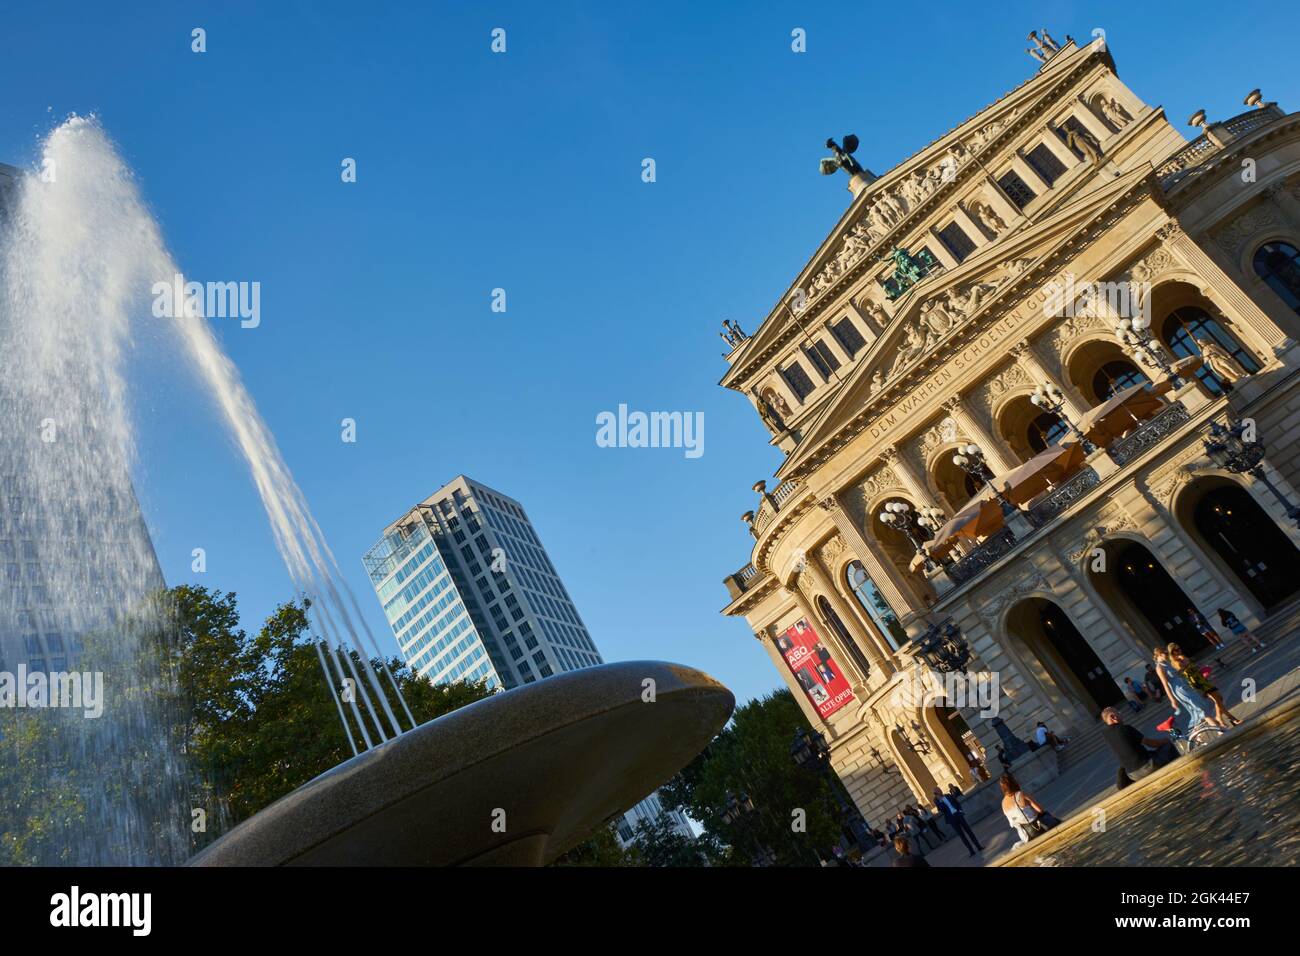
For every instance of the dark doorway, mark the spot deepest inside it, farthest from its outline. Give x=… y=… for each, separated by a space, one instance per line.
x=1249 y=542
x=1158 y=597
x=1079 y=657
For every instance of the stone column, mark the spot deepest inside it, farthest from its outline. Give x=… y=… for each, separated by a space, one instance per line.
x=848 y=661
x=1263 y=330
x=1061 y=151
x=823 y=583
x=1091 y=122
x=835 y=345
x=998 y=458
x=915 y=484
x=874 y=565
x=1029 y=175
x=1027 y=359
x=970 y=226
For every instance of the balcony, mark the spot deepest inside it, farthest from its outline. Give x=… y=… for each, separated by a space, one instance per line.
x=1150 y=433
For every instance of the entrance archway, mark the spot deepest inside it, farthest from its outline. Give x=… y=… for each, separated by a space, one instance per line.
x=1068 y=659
x=1153 y=602
x=1259 y=555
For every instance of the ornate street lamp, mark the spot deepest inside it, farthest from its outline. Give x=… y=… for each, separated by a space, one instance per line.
x=899 y=516
x=943 y=647
x=880 y=762
x=1051 y=399
x=1136 y=335
x=921 y=744
x=1228 y=447
x=970 y=459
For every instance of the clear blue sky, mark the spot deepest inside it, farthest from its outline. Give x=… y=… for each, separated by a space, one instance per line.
x=522 y=171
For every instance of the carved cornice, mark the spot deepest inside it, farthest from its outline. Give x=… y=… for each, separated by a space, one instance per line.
x=1009 y=297
x=852 y=264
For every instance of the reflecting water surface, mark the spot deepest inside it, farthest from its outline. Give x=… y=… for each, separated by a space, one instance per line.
x=1238 y=809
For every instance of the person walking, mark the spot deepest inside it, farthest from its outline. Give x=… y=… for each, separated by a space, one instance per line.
x=1025 y=814
x=1181 y=694
x=916 y=829
x=1200 y=682
x=905 y=855
x=1137 y=755
x=1239 y=630
x=930 y=819
x=1003 y=758
x=1152 y=683
x=1205 y=629
x=955 y=817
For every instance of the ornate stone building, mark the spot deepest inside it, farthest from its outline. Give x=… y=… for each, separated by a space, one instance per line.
x=968 y=297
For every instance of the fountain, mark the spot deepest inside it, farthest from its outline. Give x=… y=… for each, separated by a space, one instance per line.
x=550 y=761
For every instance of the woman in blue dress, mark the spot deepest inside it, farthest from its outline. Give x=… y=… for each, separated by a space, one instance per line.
x=1180 y=693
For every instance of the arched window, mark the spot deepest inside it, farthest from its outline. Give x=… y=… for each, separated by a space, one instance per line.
x=1184 y=327
x=874 y=603
x=1278 y=264
x=1113 y=377
x=1046 y=429
x=846 y=640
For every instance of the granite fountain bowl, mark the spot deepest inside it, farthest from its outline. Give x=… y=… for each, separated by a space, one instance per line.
x=515 y=779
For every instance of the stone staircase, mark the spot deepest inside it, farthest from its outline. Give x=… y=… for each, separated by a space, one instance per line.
x=1281 y=625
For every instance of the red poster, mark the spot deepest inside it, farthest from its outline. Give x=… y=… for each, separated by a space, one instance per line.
x=814 y=668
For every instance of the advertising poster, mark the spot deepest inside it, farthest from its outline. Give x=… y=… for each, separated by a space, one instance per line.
x=814 y=668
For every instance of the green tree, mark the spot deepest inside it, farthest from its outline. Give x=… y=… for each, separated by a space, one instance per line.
x=600 y=849
x=263 y=718
x=752 y=756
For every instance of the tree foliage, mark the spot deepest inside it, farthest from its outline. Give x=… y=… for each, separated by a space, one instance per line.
x=752 y=756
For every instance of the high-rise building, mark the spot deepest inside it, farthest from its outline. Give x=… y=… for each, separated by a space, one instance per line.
x=471 y=595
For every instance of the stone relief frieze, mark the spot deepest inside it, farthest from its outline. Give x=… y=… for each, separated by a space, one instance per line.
x=891 y=206
x=1009 y=590
x=1110 y=519
x=830 y=551
x=1231 y=237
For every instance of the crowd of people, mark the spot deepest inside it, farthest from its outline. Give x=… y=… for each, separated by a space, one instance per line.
x=1171 y=676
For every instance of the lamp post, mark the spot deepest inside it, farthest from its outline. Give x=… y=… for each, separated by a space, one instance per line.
x=970 y=459
x=943 y=647
x=810 y=750
x=1050 y=398
x=736 y=811
x=1237 y=449
x=899 y=516
x=922 y=743
x=1135 y=334
x=880 y=762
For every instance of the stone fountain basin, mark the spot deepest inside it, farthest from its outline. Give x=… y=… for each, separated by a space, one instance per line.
x=515 y=779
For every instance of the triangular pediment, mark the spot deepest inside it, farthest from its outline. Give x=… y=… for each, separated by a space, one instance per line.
x=947 y=309
x=887 y=210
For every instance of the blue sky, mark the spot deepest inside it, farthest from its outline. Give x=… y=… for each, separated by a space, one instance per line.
x=522 y=171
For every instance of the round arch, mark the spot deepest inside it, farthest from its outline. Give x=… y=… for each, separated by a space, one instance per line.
x=1132 y=580
x=1098 y=366
x=1272 y=260
x=1237 y=535
x=1067 y=669
x=897 y=549
x=1026 y=428
x=955 y=486
x=1184 y=314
